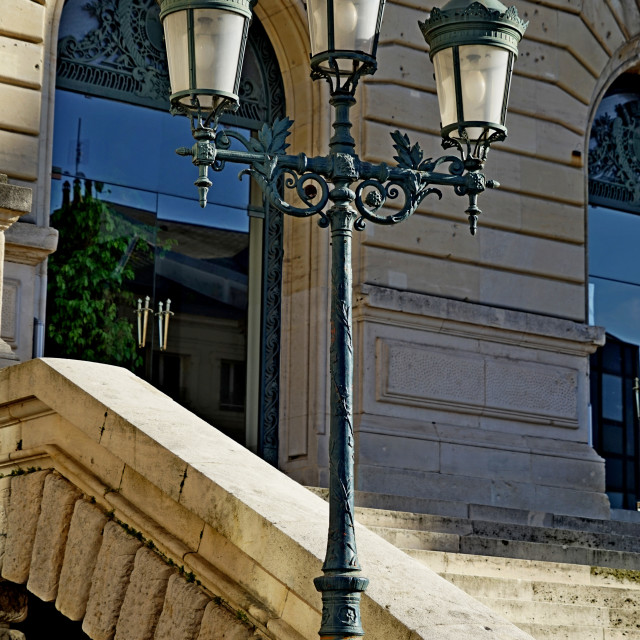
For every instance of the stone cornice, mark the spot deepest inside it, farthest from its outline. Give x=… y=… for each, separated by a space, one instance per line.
x=29 y=244
x=468 y=319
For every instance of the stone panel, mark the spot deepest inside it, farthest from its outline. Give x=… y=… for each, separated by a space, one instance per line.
x=18 y=153
x=602 y=22
x=398 y=451
x=22 y=522
x=58 y=501
x=26 y=117
x=110 y=581
x=81 y=553
x=145 y=597
x=25 y=21
x=21 y=63
x=183 y=610
x=428 y=376
x=527 y=387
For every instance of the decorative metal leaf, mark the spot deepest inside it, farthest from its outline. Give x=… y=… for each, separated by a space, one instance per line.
x=409 y=157
x=272 y=139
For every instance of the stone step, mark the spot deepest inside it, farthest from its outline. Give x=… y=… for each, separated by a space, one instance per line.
x=621 y=634
x=625 y=523
x=625 y=618
x=597 y=596
x=532 y=570
x=503 y=531
x=560 y=632
x=549 y=614
x=479 y=545
x=549 y=592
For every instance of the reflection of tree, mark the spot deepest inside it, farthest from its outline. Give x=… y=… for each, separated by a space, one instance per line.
x=88 y=275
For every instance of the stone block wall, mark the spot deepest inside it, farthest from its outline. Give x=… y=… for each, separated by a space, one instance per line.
x=25 y=157
x=445 y=409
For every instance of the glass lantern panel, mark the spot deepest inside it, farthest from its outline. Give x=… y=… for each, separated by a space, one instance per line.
x=218 y=41
x=318 y=21
x=176 y=37
x=446 y=86
x=354 y=25
x=483 y=75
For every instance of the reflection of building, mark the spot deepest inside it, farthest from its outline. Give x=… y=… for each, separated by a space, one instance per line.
x=473 y=379
x=614 y=286
x=201 y=260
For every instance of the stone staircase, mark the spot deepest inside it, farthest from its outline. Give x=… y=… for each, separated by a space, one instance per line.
x=555 y=577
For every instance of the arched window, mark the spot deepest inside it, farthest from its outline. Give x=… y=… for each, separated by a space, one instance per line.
x=220 y=267
x=614 y=286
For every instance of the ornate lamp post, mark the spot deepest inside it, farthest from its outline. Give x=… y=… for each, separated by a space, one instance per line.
x=472 y=45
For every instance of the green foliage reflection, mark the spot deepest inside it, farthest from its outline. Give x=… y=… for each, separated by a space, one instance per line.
x=88 y=278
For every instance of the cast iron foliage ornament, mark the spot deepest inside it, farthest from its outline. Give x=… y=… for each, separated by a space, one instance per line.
x=614 y=158
x=346 y=193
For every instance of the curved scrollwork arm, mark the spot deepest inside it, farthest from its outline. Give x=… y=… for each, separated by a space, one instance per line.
x=413 y=189
x=304 y=185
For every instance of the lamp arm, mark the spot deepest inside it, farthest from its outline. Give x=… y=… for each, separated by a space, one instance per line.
x=274 y=170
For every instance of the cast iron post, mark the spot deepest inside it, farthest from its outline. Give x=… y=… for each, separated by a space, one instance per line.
x=340 y=586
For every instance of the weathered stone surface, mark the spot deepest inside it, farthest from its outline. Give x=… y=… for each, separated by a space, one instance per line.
x=80 y=556
x=22 y=522
x=58 y=500
x=183 y=610
x=5 y=495
x=219 y=623
x=13 y=603
x=144 y=599
x=110 y=582
x=15 y=198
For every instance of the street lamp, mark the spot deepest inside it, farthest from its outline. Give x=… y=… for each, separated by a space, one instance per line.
x=473 y=45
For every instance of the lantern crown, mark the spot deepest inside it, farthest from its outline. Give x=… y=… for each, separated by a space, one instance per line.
x=460 y=22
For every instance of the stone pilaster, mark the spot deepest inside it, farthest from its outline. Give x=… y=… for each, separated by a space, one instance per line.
x=14 y=202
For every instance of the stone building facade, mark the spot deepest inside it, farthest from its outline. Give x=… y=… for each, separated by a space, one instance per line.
x=472 y=365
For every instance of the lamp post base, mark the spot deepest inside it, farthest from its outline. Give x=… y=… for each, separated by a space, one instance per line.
x=341 y=606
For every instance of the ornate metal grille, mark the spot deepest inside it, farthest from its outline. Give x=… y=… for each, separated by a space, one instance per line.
x=614 y=159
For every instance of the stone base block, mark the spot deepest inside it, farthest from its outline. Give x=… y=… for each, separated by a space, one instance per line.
x=475 y=467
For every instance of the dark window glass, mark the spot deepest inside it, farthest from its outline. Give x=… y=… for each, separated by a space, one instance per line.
x=232 y=385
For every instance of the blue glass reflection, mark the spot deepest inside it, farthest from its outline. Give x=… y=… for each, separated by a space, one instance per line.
x=617 y=308
x=613 y=271
x=614 y=243
x=132 y=151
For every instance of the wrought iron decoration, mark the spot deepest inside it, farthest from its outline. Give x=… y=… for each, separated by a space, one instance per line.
x=614 y=159
x=357 y=191
x=346 y=193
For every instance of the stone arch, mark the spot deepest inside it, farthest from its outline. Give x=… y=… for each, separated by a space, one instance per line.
x=100 y=571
